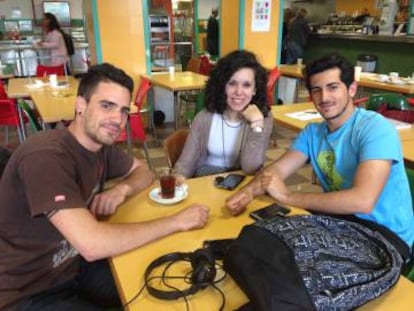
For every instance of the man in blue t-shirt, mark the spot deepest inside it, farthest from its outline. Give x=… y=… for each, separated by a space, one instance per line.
x=356 y=155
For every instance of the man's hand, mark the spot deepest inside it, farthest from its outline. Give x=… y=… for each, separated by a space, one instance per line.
x=193 y=217
x=275 y=187
x=106 y=203
x=236 y=204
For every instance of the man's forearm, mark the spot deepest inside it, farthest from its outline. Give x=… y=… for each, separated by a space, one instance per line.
x=337 y=202
x=139 y=179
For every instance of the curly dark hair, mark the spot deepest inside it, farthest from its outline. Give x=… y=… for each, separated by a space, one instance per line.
x=215 y=96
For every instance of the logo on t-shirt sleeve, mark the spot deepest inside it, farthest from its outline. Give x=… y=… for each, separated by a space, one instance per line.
x=60 y=198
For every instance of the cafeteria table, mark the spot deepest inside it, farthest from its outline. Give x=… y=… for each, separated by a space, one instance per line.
x=178 y=82
x=53 y=104
x=408 y=152
x=368 y=80
x=281 y=118
x=128 y=269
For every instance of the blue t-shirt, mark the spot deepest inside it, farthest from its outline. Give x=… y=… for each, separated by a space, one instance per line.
x=335 y=157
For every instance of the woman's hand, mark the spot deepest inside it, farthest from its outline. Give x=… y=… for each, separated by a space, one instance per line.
x=254 y=116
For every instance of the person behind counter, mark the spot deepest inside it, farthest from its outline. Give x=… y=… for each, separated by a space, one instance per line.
x=53 y=246
x=298 y=37
x=213 y=33
x=54 y=41
x=233 y=130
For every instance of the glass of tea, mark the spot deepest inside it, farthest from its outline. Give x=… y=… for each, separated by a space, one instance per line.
x=167 y=182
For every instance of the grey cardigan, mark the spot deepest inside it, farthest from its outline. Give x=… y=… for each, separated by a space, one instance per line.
x=194 y=153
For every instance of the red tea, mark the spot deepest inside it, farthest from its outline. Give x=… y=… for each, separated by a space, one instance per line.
x=167 y=184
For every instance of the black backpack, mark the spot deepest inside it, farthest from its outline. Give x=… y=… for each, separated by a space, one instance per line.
x=70 y=48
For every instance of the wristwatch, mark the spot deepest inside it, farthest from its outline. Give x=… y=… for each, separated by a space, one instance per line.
x=257 y=129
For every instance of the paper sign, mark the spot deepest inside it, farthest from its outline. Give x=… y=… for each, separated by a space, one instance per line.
x=261 y=15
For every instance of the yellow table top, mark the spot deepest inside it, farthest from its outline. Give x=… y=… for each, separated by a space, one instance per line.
x=279 y=114
x=53 y=104
x=408 y=151
x=25 y=87
x=129 y=268
x=294 y=71
x=179 y=81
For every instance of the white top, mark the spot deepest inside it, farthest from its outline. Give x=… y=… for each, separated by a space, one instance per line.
x=55 y=42
x=225 y=142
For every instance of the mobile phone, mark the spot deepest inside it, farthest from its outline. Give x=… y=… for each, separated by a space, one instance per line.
x=270 y=212
x=218 y=247
x=230 y=182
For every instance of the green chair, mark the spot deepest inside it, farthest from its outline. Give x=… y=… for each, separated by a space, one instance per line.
x=409 y=271
x=30 y=115
x=393 y=101
x=194 y=107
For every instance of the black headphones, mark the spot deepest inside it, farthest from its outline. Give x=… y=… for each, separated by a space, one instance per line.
x=203 y=272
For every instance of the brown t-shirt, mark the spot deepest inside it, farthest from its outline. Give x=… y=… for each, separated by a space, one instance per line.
x=51 y=171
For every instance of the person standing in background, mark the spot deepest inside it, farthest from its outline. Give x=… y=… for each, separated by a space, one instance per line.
x=54 y=41
x=213 y=33
x=288 y=14
x=298 y=37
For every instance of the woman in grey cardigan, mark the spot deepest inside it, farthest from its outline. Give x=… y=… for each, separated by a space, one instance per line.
x=232 y=132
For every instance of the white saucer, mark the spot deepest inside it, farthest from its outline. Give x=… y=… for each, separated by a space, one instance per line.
x=180 y=194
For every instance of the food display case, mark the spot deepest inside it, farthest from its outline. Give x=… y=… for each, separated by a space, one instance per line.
x=160 y=32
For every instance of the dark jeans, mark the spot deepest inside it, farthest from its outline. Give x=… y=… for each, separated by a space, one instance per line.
x=93 y=289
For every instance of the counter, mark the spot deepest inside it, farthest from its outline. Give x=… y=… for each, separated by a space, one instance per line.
x=360 y=37
x=23 y=57
x=394 y=53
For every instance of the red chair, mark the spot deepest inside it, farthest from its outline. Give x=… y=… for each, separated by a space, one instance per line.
x=42 y=70
x=9 y=115
x=274 y=75
x=135 y=127
x=205 y=66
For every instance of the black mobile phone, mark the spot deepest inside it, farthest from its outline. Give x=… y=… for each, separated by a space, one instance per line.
x=218 y=247
x=230 y=182
x=269 y=212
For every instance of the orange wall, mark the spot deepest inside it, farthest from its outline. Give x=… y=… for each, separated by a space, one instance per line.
x=263 y=44
x=229 y=22
x=122 y=35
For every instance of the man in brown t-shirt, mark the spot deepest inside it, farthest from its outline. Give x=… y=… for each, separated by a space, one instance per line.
x=51 y=192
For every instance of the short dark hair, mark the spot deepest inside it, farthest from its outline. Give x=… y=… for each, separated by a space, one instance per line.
x=103 y=73
x=329 y=62
x=215 y=96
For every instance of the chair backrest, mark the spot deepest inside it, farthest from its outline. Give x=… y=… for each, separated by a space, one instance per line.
x=392 y=100
x=42 y=70
x=205 y=66
x=8 y=112
x=30 y=115
x=274 y=75
x=142 y=91
x=3 y=94
x=193 y=64
x=173 y=145
x=135 y=120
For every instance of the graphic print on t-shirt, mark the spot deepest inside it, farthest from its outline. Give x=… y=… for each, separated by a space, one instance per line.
x=326 y=161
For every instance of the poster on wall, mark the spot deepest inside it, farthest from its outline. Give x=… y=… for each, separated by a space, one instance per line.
x=261 y=15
